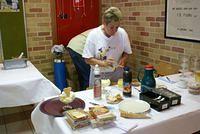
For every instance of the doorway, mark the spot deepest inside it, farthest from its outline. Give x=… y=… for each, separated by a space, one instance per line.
x=74 y=17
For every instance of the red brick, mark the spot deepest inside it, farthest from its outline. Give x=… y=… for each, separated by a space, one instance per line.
x=144 y=44
x=30 y=49
x=165 y=58
x=160 y=41
x=35 y=9
x=150 y=18
x=131 y=18
x=43 y=33
x=144 y=33
x=34 y=1
x=136 y=13
x=154 y=24
x=38 y=48
x=160 y=18
x=30 y=15
x=139 y=47
x=178 y=49
x=128 y=4
x=125 y=18
x=140 y=28
x=155 y=2
x=31 y=34
x=49 y=38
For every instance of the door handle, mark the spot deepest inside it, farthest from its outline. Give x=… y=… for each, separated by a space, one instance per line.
x=63 y=16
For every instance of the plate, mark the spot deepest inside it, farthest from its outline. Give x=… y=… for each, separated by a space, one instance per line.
x=55 y=107
x=134 y=106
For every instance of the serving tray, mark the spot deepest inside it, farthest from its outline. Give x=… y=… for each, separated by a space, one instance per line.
x=55 y=107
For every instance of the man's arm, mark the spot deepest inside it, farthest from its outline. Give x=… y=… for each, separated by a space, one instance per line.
x=123 y=60
x=102 y=63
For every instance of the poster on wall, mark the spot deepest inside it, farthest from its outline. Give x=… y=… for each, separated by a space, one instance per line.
x=9 y=6
x=183 y=19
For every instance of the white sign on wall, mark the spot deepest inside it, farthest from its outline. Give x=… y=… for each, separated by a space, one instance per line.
x=183 y=19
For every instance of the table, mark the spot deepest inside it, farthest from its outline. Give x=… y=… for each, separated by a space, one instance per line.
x=24 y=86
x=181 y=119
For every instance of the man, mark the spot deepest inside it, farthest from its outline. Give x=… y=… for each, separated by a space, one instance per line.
x=75 y=49
x=108 y=46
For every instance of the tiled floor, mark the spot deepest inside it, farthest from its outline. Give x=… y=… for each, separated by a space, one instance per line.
x=16 y=120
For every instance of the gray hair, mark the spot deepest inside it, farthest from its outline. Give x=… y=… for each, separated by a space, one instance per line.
x=112 y=14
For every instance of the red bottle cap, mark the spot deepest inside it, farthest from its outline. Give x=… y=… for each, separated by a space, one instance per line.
x=149 y=67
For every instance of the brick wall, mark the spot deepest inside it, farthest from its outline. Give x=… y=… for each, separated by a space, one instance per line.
x=39 y=35
x=144 y=21
x=41 y=38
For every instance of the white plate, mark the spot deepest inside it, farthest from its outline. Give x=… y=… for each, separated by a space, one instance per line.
x=134 y=106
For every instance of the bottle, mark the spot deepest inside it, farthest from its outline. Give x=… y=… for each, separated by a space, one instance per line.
x=97 y=83
x=148 y=81
x=127 y=79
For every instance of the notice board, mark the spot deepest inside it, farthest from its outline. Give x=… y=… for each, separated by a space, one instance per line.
x=183 y=19
x=12 y=29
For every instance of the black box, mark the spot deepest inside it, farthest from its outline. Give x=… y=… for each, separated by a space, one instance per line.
x=175 y=99
x=156 y=101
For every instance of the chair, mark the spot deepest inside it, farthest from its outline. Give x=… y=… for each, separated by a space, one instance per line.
x=164 y=68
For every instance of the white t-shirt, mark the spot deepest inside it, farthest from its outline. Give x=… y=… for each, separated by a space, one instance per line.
x=99 y=46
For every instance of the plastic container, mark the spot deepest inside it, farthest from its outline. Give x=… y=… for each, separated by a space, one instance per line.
x=60 y=74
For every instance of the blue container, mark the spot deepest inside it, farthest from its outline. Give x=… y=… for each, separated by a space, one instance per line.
x=60 y=74
x=148 y=82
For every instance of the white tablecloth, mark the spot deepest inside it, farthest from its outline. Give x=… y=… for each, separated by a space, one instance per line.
x=24 y=86
x=182 y=119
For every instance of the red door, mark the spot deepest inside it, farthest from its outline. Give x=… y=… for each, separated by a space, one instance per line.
x=74 y=17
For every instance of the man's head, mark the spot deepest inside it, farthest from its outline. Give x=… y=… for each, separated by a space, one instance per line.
x=111 y=20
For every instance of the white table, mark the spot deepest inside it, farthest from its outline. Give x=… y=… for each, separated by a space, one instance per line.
x=182 y=119
x=24 y=86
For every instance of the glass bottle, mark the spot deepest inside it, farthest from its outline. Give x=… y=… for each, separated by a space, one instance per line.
x=127 y=79
x=97 y=83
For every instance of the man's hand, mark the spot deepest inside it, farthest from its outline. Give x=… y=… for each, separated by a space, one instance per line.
x=123 y=60
x=108 y=62
x=122 y=63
